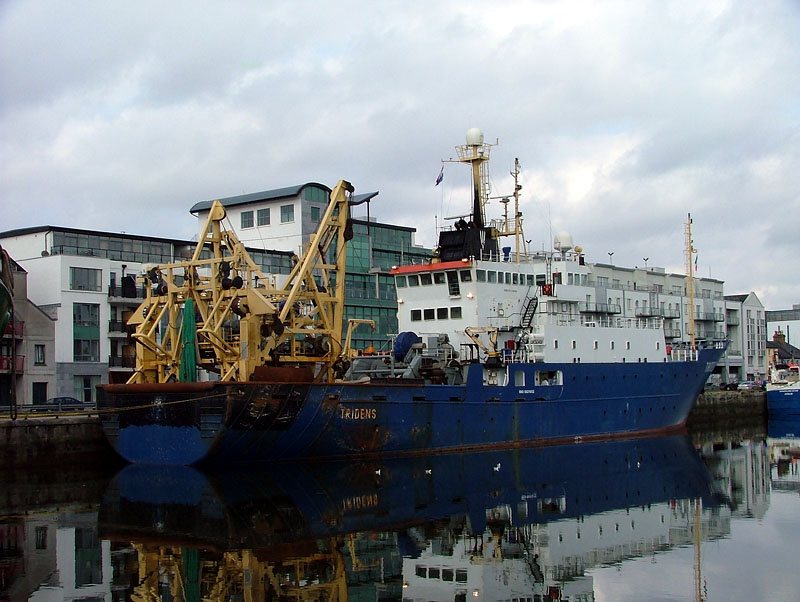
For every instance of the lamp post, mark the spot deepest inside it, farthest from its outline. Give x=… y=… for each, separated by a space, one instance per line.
x=610 y=257
x=645 y=262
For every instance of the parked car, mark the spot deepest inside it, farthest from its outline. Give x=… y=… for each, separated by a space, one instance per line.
x=63 y=401
x=60 y=404
x=749 y=385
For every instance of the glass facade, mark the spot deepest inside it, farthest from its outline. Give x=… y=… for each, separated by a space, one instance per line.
x=369 y=287
x=111 y=247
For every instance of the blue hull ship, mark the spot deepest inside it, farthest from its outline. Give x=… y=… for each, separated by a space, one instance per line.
x=261 y=421
x=510 y=352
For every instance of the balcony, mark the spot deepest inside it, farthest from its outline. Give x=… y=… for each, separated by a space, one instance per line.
x=6 y=364
x=672 y=333
x=134 y=294
x=709 y=316
x=118 y=328
x=127 y=362
x=599 y=308
x=15 y=329
x=732 y=320
x=649 y=312
x=671 y=313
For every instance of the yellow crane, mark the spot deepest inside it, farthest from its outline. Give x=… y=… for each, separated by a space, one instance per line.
x=242 y=320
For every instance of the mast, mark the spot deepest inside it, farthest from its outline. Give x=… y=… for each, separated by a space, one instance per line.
x=690 y=251
x=476 y=153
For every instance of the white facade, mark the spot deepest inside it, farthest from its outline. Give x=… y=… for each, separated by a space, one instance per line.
x=55 y=285
x=276 y=219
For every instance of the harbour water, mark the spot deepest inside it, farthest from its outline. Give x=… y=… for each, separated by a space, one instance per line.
x=688 y=517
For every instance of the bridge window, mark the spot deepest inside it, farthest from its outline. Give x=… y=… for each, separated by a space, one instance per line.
x=492 y=276
x=441 y=313
x=428 y=314
x=452 y=283
x=400 y=281
x=438 y=277
x=455 y=313
x=413 y=280
x=416 y=315
x=466 y=276
x=425 y=279
x=480 y=275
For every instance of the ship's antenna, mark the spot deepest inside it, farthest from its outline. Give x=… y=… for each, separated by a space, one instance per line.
x=689 y=252
x=514 y=226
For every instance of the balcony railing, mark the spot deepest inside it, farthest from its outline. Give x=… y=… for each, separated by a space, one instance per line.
x=115 y=290
x=709 y=316
x=732 y=320
x=118 y=326
x=673 y=333
x=599 y=308
x=15 y=329
x=671 y=313
x=6 y=363
x=648 y=312
x=122 y=361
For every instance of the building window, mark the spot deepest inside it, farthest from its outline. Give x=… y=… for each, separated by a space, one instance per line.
x=85 y=314
x=312 y=193
x=247 y=219
x=85 y=279
x=315 y=213
x=287 y=213
x=39 y=392
x=41 y=538
x=38 y=355
x=83 y=387
x=86 y=350
x=263 y=217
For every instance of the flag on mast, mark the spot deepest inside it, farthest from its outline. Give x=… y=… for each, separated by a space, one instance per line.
x=695 y=262
x=440 y=177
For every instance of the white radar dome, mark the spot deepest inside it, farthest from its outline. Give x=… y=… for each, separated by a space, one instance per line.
x=474 y=137
x=562 y=241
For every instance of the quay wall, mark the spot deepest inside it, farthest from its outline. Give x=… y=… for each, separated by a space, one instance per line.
x=53 y=441
x=731 y=406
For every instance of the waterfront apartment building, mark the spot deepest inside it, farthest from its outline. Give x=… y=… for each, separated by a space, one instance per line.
x=27 y=348
x=86 y=281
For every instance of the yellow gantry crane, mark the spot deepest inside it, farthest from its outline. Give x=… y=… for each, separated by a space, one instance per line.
x=242 y=319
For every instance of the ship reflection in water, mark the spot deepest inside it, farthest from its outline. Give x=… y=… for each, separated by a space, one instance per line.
x=516 y=525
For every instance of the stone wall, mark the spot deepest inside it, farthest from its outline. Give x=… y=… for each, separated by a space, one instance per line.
x=53 y=441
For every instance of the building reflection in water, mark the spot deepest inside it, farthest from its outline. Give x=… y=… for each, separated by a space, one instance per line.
x=518 y=525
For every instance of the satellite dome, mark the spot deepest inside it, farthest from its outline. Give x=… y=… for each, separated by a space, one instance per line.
x=474 y=137
x=562 y=241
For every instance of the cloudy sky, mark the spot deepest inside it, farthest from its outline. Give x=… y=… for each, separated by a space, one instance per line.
x=625 y=116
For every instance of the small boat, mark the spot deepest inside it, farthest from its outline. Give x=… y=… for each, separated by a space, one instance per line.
x=506 y=355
